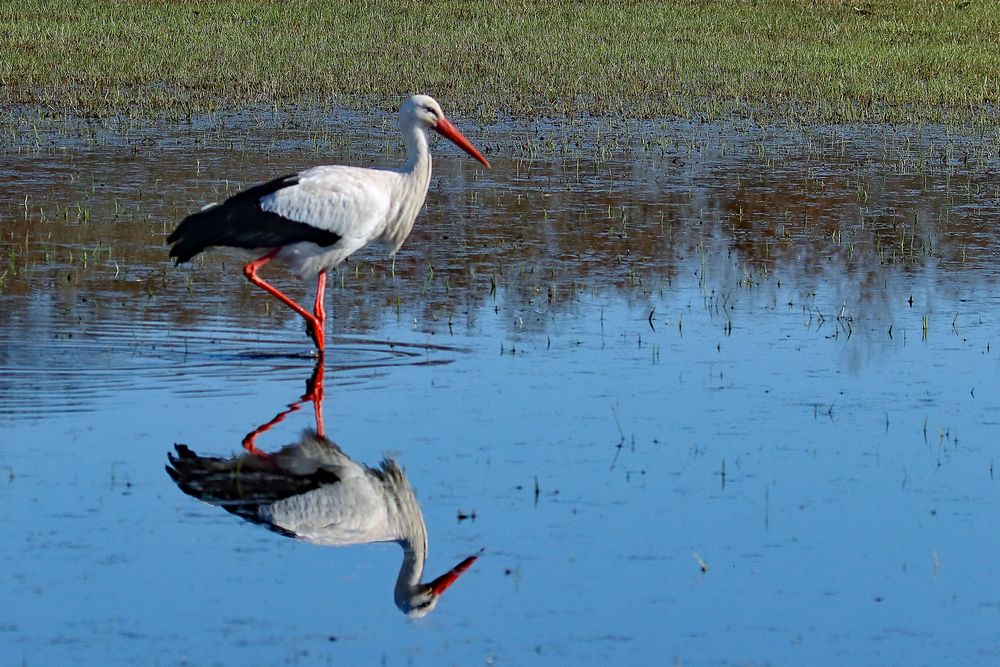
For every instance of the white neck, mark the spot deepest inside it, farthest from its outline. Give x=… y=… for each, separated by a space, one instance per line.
x=418 y=153
x=407 y=523
x=410 y=571
x=415 y=177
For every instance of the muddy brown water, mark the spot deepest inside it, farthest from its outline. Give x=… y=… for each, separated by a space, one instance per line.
x=706 y=393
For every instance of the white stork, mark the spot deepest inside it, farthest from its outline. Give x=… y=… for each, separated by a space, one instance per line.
x=313 y=220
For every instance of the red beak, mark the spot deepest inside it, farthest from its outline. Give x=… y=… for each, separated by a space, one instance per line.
x=446 y=129
x=441 y=584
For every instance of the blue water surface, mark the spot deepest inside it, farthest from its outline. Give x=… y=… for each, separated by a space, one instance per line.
x=776 y=454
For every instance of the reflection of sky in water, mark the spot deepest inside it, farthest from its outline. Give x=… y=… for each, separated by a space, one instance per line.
x=838 y=530
x=852 y=521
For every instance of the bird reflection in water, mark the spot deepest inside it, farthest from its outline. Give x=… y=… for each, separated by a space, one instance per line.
x=311 y=490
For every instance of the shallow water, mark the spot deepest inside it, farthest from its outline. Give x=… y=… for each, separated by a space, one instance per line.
x=704 y=393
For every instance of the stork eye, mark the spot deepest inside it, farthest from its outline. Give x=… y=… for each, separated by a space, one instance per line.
x=430 y=110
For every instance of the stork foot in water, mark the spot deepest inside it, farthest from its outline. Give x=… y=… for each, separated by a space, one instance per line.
x=314 y=320
x=316 y=330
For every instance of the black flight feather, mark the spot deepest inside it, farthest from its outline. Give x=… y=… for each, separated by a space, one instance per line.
x=239 y=222
x=240 y=485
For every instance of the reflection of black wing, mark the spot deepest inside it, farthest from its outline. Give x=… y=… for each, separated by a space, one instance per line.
x=241 y=485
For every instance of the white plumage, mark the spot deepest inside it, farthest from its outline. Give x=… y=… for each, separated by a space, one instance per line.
x=314 y=220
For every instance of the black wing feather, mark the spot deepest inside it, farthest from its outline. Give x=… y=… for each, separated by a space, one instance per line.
x=240 y=485
x=239 y=222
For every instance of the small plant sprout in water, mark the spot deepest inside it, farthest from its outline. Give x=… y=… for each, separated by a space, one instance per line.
x=702 y=565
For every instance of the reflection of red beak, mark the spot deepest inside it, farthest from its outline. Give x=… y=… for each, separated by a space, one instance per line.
x=446 y=129
x=441 y=584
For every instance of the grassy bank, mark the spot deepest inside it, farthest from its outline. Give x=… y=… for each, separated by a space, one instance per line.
x=819 y=61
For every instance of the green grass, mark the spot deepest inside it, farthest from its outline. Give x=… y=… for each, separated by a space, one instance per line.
x=816 y=61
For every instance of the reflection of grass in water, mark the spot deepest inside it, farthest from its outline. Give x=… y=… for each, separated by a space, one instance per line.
x=833 y=60
x=743 y=208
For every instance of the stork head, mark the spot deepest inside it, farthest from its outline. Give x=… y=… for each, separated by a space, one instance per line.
x=424 y=112
x=422 y=598
x=421 y=110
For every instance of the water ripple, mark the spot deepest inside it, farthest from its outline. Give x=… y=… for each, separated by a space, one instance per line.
x=73 y=372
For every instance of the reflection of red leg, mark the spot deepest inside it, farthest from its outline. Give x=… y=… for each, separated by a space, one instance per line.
x=250 y=271
x=314 y=393
x=252 y=448
x=248 y=440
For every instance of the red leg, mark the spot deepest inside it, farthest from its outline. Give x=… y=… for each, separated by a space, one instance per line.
x=250 y=271
x=319 y=311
